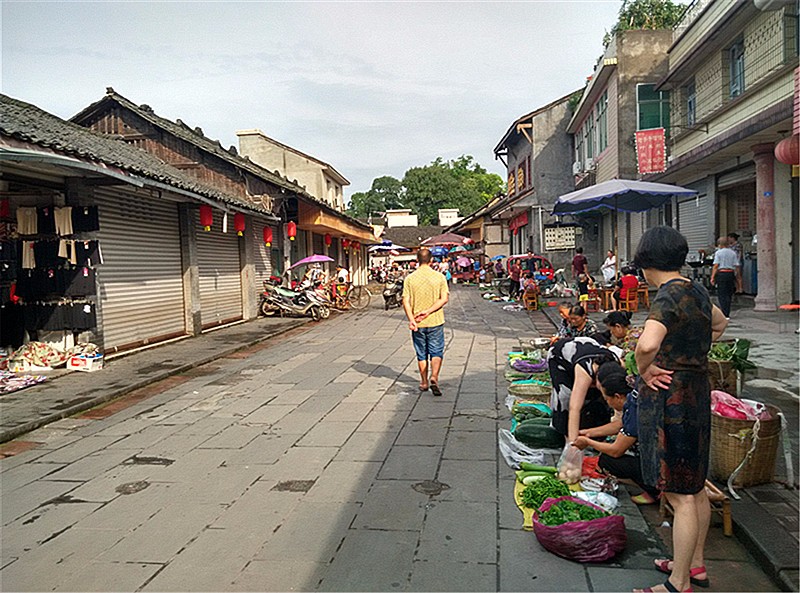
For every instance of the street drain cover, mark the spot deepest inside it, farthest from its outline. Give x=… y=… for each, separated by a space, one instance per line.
x=142 y=460
x=132 y=487
x=294 y=486
x=430 y=487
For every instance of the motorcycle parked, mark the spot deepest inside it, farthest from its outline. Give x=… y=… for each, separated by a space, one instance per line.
x=393 y=293
x=282 y=301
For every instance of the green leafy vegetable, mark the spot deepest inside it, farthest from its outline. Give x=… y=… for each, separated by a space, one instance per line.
x=630 y=364
x=736 y=353
x=565 y=511
x=548 y=487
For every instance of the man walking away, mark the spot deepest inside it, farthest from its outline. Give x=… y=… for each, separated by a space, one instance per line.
x=425 y=293
x=726 y=275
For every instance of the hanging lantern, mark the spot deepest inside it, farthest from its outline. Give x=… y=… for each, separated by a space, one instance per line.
x=357 y=246
x=238 y=223
x=291 y=229
x=267 y=236
x=328 y=239
x=206 y=217
x=345 y=243
x=787 y=151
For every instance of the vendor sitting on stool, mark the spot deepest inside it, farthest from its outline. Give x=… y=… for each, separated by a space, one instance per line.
x=618 y=458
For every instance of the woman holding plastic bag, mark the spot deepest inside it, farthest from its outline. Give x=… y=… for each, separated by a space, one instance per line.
x=674 y=399
x=575 y=400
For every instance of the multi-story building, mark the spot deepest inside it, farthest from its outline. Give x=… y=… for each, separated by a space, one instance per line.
x=537 y=153
x=318 y=178
x=620 y=98
x=731 y=87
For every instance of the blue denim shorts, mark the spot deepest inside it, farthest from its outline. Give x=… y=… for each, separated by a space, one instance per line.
x=429 y=342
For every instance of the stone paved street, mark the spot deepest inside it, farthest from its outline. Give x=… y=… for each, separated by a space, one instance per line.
x=299 y=465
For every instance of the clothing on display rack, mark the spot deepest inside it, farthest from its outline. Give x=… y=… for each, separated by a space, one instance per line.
x=85 y=219
x=87 y=253
x=63 y=218
x=46 y=221
x=26 y=221
x=28 y=257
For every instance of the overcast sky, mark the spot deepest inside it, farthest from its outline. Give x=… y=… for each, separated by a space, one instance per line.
x=372 y=88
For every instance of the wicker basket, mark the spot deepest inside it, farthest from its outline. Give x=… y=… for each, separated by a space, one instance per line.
x=723 y=377
x=731 y=439
x=539 y=391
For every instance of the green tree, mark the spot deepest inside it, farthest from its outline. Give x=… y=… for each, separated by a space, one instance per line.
x=385 y=194
x=645 y=14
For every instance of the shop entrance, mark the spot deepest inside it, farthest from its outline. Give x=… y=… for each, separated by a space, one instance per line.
x=737 y=214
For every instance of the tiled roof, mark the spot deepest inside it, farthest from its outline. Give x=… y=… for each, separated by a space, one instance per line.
x=26 y=122
x=410 y=236
x=195 y=136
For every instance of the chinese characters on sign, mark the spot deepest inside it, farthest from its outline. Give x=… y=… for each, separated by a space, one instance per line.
x=651 y=151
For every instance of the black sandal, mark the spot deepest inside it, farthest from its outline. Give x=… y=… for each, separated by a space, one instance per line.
x=435 y=389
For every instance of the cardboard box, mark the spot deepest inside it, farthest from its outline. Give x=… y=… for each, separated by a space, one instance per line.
x=87 y=363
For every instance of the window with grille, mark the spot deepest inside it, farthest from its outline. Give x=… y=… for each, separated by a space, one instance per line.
x=602 y=122
x=691 y=104
x=652 y=107
x=736 y=55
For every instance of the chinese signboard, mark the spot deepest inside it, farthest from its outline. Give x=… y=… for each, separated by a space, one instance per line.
x=651 y=151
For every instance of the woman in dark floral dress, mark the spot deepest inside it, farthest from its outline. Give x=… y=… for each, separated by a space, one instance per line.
x=675 y=400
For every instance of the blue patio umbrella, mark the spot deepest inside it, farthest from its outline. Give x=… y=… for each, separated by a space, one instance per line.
x=439 y=251
x=496 y=257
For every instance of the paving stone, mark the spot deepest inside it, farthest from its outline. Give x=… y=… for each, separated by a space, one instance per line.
x=298 y=422
x=233 y=437
x=104 y=487
x=110 y=576
x=163 y=535
x=346 y=481
x=447 y=536
x=197 y=462
x=392 y=505
x=468 y=480
x=430 y=408
x=279 y=575
x=259 y=506
x=366 y=446
x=126 y=513
x=25 y=474
x=147 y=437
x=526 y=566
x=603 y=578
x=267 y=414
x=79 y=449
x=348 y=412
x=384 y=421
x=266 y=449
x=510 y=517
x=88 y=467
x=291 y=397
x=207 y=425
x=407 y=462
x=313 y=530
x=299 y=463
x=424 y=432
x=174 y=446
x=437 y=575
x=476 y=401
x=474 y=420
x=387 y=554
x=726 y=575
x=328 y=434
x=220 y=486
x=470 y=445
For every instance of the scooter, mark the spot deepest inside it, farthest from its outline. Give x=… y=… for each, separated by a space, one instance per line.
x=392 y=293
x=276 y=299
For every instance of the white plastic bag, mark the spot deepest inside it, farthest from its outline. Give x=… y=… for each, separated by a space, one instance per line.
x=601 y=499
x=570 y=464
x=513 y=451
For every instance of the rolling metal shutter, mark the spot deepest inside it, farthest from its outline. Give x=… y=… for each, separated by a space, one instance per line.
x=262 y=255
x=140 y=281
x=637 y=230
x=694 y=222
x=220 y=274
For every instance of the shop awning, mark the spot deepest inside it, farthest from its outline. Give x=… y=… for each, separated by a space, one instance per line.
x=315 y=219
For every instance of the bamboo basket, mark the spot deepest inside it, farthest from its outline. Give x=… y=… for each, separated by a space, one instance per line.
x=731 y=439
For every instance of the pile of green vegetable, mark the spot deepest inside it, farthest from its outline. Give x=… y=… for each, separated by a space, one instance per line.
x=522 y=412
x=565 y=511
x=630 y=364
x=541 y=489
x=736 y=353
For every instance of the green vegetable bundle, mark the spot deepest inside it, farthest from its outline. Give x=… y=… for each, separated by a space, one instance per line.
x=736 y=353
x=565 y=511
x=547 y=487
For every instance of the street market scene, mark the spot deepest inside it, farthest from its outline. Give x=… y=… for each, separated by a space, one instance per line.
x=568 y=363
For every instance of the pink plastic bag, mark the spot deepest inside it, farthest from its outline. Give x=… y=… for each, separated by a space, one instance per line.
x=725 y=405
x=582 y=541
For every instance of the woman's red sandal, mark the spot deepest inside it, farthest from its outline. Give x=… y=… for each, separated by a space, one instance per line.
x=663 y=566
x=669 y=587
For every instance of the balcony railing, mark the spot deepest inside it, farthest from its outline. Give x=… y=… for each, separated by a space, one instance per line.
x=689 y=15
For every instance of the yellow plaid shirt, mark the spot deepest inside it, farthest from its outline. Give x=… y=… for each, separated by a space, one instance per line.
x=422 y=288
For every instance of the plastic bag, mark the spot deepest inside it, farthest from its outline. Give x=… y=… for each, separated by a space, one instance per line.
x=725 y=405
x=570 y=464
x=605 y=501
x=582 y=541
x=513 y=451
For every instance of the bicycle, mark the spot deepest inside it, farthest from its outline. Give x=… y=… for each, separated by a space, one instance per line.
x=355 y=297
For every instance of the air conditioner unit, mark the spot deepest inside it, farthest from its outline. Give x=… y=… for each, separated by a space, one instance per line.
x=589 y=164
x=576 y=167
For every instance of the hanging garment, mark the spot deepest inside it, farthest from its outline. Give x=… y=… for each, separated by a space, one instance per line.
x=63 y=218
x=28 y=256
x=12 y=325
x=87 y=253
x=80 y=282
x=82 y=317
x=27 y=221
x=85 y=219
x=66 y=250
x=46 y=253
x=46 y=221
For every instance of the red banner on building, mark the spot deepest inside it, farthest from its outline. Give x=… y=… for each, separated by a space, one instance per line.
x=518 y=221
x=651 y=151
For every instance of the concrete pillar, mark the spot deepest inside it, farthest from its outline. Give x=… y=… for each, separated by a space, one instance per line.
x=247 y=258
x=763 y=155
x=191 y=271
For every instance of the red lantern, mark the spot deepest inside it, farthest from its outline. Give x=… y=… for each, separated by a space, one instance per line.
x=328 y=239
x=345 y=243
x=356 y=245
x=238 y=223
x=206 y=217
x=291 y=229
x=267 y=236
x=787 y=151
